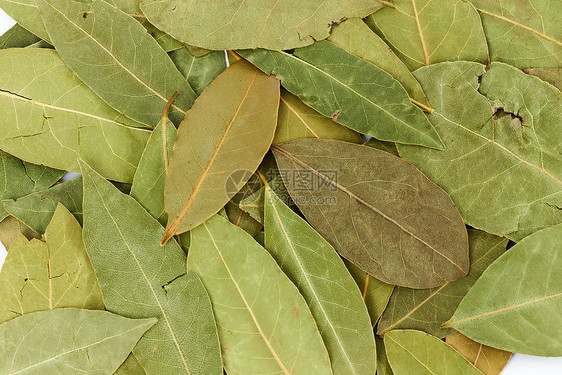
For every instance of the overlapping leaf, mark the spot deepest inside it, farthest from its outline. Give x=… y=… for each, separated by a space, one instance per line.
x=17 y=37
x=550 y=75
x=198 y=71
x=353 y=92
x=426 y=310
x=68 y=341
x=68 y=121
x=502 y=130
x=138 y=278
x=135 y=81
x=488 y=360
x=383 y=367
x=378 y=211
x=264 y=323
x=424 y=32
x=11 y=228
x=313 y=265
x=516 y=303
x=218 y=147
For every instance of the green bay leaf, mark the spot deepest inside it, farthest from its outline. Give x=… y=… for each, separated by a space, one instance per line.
x=515 y=305
x=354 y=92
x=379 y=212
x=138 y=278
x=264 y=323
x=17 y=37
x=550 y=75
x=68 y=341
x=199 y=71
x=383 y=367
x=317 y=270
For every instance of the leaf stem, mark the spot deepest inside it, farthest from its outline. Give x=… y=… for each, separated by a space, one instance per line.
x=424 y=107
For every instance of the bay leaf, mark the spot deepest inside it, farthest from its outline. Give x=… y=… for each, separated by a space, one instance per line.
x=383 y=367
x=18 y=178
x=49 y=275
x=297 y=120
x=389 y=147
x=150 y=177
x=68 y=341
x=199 y=71
x=426 y=310
x=515 y=305
x=131 y=366
x=357 y=38
x=271 y=24
x=263 y=322
x=354 y=92
x=17 y=37
x=317 y=270
x=68 y=121
x=10 y=228
x=525 y=34
x=415 y=352
x=502 y=131
x=399 y=226
x=254 y=204
x=425 y=32
x=135 y=81
x=488 y=360
x=375 y=292
x=219 y=147
x=36 y=209
x=138 y=278
x=197 y=51
x=242 y=219
x=550 y=75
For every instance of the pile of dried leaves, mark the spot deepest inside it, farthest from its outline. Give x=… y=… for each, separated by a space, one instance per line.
x=233 y=219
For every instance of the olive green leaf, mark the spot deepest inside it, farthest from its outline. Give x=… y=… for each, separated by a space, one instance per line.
x=502 y=130
x=138 y=278
x=389 y=147
x=242 y=219
x=424 y=32
x=415 y=352
x=94 y=39
x=271 y=24
x=515 y=305
x=17 y=37
x=131 y=366
x=68 y=121
x=150 y=177
x=264 y=323
x=353 y=92
x=68 y=341
x=11 y=228
x=297 y=120
x=317 y=270
x=375 y=292
x=426 y=310
x=489 y=361
x=550 y=75
x=355 y=37
x=254 y=204
x=48 y=275
x=378 y=211
x=219 y=147
x=35 y=210
x=18 y=178
x=383 y=367
x=199 y=71
x=525 y=34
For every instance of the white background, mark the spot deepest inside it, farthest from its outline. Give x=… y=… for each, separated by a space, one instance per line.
x=518 y=365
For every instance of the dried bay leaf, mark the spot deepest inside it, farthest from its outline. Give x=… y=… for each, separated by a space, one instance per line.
x=488 y=360
x=515 y=305
x=415 y=352
x=399 y=227
x=138 y=278
x=525 y=34
x=242 y=219
x=424 y=32
x=356 y=37
x=353 y=92
x=11 y=228
x=270 y=24
x=19 y=178
x=317 y=270
x=550 y=75
x=35 y=210
x=219 y=147
x=426 y=310
x=502 y=170
x=135 y=81
x=263 y=322
x=389 y=147
x=49 y=275
x=199 y=71
x=55 y=127
x=131 y=366
x=68 y=341
x=383 y=367
x=17 y=37
x=254 y=204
